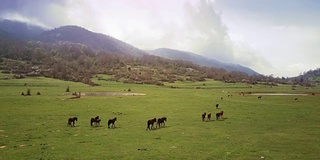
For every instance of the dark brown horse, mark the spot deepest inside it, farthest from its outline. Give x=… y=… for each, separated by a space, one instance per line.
x=161 y=121
x=71 y=121
x=209 y=117
x=259 y=97
x=150 y=123
x=217 y=105
x=112 y=121
x=219 y=115
x=204 y=116
x=95 y=121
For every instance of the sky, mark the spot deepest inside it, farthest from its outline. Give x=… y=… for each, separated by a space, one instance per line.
x=273 y=37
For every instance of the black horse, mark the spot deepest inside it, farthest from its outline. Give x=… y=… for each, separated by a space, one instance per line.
x=95 y=121
x=259 y=97
x=151 y=122
x=161 y=121
x=204 y=116
x=71 y=121
x=217 y=105
x=112 y=121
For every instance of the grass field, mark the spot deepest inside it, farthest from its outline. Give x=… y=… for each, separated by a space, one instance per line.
x=274 y=127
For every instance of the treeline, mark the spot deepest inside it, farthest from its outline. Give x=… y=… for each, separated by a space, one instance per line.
x=79 y=63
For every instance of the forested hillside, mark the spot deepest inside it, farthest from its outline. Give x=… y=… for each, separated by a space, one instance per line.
x=78 y=62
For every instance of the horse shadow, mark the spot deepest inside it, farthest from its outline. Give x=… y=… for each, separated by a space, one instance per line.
x=114 y=127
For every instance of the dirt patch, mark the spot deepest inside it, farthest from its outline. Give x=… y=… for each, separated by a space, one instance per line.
x=278 y=94
x=2 y=147
x=110 y=94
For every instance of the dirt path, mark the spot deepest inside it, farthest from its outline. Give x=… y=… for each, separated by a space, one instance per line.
x=110 y=94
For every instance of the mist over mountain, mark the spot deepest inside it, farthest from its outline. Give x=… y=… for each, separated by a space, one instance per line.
x=20 y=30
x=200 y=60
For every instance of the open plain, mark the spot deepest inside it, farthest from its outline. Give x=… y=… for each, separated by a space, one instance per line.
x=272 y=127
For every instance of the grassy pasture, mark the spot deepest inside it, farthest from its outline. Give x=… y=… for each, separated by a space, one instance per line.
x=274 y=127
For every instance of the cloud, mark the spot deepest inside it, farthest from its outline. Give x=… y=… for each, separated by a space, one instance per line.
x=249 y=57
x=275 y=12
x=207 y=32
x=42 y=12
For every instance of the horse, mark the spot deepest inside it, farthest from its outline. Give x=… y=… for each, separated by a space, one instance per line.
x=71 y=121
x=296 y=99
x=259 y=97
x=95 y=121
x=204 y=116
x=162 y=121
x=217 y=106
x=209 y=117
x=112 y=121
x=151 y=122
x=219 y=115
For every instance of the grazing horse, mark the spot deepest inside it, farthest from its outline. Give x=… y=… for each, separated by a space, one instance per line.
x=259 y=97
x=95 y=121
x=217 y=106
x=71 y=121
x=151 y=122
x=204 y=116
x=221 y=98
x=296 y=99
x=219 y=115
x=209 y=117
x=161 y=121
x=112 y=121
x=313 y=94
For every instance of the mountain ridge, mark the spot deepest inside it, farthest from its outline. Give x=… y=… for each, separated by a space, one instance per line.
x=77 y=34
x=200 y=60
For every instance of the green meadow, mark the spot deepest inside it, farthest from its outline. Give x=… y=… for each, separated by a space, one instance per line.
x=273 y=127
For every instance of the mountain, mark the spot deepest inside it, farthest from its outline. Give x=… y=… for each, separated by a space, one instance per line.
x=200 y=60
x=79 y=35
x=4 y=34
x=76 y=34
x=20 y=30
